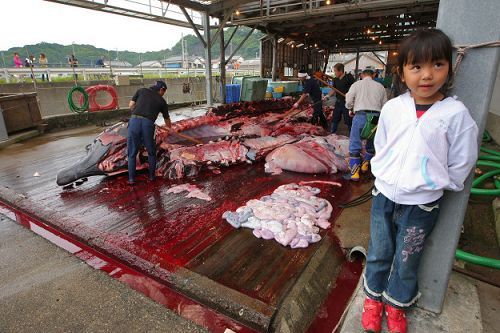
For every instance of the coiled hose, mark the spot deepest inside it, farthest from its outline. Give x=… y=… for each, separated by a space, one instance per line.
x=75 y=108
x=493 y=161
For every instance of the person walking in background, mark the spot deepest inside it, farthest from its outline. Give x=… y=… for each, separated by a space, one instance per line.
x=145 y=105
x=99 y=62
x=366 y=97
x=43 y=62
x=18 y=63
x=30 y=62
x=342 y=82
x=426 y=143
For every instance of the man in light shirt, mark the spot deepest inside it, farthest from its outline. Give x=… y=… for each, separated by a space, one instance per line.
x=365 y=97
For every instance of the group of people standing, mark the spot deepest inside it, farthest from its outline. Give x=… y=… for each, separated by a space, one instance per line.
x=43 y=62
x=355 y=100
x=30 y=62
x=426 y=142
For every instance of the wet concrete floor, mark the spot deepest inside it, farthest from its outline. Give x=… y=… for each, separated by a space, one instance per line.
x=182 y=243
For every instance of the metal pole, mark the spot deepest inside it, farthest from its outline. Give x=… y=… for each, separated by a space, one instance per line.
x=222 y=67
x=142 y=73
x=31 y=68
x=208 y=57
x=357 y=64
x=7 y=76
x=274 y=42
x=466 y=22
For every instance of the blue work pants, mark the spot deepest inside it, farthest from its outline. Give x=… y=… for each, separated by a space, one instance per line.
x=339 y=112
x=141 y=131
x=318 y=117
x=355 y=144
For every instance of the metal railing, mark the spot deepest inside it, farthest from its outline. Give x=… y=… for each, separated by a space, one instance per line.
x=86 y=73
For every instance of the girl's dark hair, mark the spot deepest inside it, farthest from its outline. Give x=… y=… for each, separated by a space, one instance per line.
x=425 y=45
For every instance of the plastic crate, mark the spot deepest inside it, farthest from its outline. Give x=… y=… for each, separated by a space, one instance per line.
x=277 y=94
x=288 y=86
x=253 y=88
x=232 y=93
x=326 y=90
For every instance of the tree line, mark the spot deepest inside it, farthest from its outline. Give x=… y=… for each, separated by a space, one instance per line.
x=87 y=55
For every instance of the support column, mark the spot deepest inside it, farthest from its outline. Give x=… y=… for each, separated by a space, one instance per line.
x=357 y=64
x=274 y=42
x=465 y=22
x=222 y=67
x=208 y=57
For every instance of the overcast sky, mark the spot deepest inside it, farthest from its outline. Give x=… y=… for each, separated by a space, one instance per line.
x=33 y=21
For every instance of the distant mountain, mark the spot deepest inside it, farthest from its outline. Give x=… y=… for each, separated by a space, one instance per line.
x=88 y=54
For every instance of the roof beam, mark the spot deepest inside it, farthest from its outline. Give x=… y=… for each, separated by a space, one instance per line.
x=220 y=7
x=105 y=7
x=377 y=7
x=194 y=27
x=188 y=4
x=241 y=44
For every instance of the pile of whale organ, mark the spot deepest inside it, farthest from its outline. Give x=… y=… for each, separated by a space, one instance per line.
x=234 y=133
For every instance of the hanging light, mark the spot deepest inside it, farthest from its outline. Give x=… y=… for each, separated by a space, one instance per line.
x=368 y=31
x=380 y=42
x=307 y=34
x=328 y=2
x=315 y=45
x=237 y=12
x=293 y=46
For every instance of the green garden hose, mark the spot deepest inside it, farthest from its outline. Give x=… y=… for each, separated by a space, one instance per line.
x=493 y=161
x=486 y=136
x=477 y=260
x=75 y=108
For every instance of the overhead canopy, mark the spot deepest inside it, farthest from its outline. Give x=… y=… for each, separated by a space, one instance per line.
x=337 y=26
x=333 y=25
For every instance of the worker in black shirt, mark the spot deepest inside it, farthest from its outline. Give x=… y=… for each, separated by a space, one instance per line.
x=145 y=105
x=311 y=88
x=342 y=82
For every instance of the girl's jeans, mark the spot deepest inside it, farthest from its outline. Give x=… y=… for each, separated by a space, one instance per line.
x=397 y=236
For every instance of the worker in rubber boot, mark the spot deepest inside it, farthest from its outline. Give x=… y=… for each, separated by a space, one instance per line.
x=145 y=105
x=311 y=89
x=365 y=97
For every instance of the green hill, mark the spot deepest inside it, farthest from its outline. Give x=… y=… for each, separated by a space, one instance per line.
x=88 y=54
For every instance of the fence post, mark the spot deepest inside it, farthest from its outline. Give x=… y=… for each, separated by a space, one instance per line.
x=7 y=75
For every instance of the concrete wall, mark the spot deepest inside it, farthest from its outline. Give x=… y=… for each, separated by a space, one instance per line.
x=493 y=122
x=53 y=96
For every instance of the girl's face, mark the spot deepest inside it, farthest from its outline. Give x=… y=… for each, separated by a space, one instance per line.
x=425 y=79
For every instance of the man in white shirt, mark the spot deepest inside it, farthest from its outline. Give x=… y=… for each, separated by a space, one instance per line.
x=365 y=98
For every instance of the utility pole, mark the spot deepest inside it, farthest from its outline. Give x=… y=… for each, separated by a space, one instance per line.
x=183 y=60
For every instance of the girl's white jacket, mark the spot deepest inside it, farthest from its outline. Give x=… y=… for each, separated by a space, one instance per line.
x=416 y=159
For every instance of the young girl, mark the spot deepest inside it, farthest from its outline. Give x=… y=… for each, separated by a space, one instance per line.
x=426 y=143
